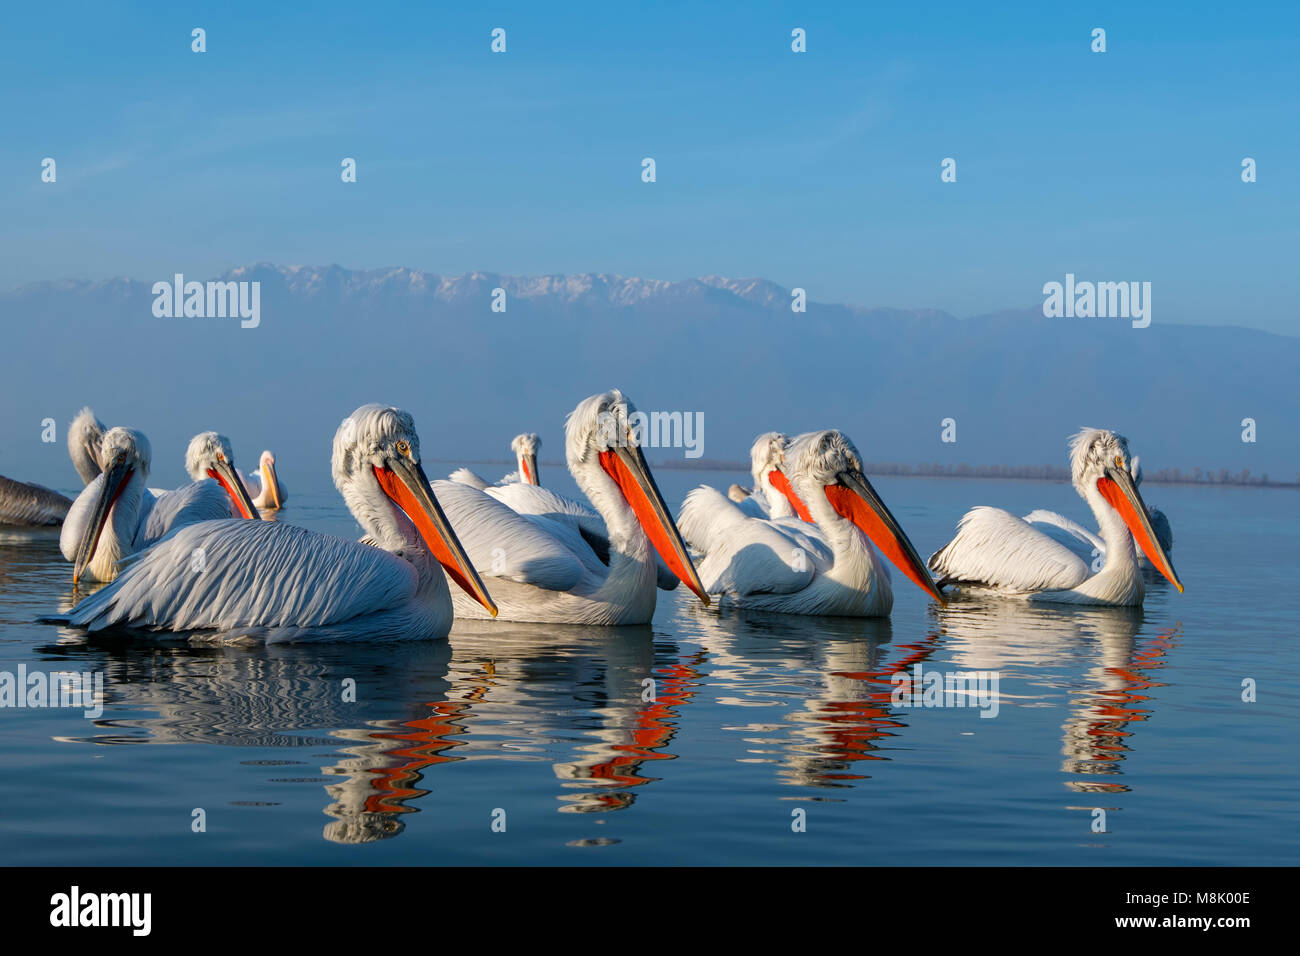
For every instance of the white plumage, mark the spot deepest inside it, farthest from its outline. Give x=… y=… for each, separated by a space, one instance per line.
x=766 y=501
x=116 y=514
x=119 y=511
x=85 y=436
x=209 y=458
x=549 y=561
x=792 y=566
x=525 y=446
x=1008 y=553
x=265 y=582
x=1043 y=556
x=1089 y=546
x=269 y=493
x=203 y=500
x=532 y=499
x=745 y=556
x=273 y=582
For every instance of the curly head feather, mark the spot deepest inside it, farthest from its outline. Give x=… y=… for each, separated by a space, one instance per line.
x=822 y=455
x=600 y=422
x=526 y=444
x=205 y=450
x=366 y=436
x=129 y=443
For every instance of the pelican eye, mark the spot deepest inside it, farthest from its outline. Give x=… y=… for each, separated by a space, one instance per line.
x=1119 y=461
x=403 y=448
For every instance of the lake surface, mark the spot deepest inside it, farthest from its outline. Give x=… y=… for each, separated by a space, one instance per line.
x=766 y=740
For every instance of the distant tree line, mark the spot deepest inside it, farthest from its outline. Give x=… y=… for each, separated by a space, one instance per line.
x=1163 y=476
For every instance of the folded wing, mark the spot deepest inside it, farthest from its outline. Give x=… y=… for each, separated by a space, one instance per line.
x=540 y=550
x=1064 y=531
x=234 y=573
x=995 y=549
x=198 y=501
x=26 y=504
x=745 y=555
x=528 y=499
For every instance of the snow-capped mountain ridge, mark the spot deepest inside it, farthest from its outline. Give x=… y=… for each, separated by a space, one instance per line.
x=589 y=288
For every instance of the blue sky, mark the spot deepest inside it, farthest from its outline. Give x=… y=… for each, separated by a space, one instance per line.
x=818 y=170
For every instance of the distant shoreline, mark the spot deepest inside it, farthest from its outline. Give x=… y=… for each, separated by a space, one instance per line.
x=1166 y=476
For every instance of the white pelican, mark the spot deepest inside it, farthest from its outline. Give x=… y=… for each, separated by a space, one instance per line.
x=793 y=567
x=530 y=498
x=116 y=514
x=1089 y=546
x=85 y=435
x=542 y=566
x=271 y=582
x=210 y=455
x=995 y=550
x=525 y=446
x=772 y=496
x=271 y=495
x=31 y=505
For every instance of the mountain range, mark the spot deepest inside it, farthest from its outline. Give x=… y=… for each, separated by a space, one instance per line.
x=1016 y=383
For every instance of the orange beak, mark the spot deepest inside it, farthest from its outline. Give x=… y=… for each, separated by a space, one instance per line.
x=855 y=499
x=404 y=482
x=782 y=484
x=1117 y=487
x=628 y=468
x=528 y=469
x=224 y=474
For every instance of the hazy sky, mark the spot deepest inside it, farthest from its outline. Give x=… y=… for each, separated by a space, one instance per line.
x=819 y=170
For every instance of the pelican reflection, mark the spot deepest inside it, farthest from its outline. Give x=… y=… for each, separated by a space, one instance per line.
x=1092 y=656
x=828 y=679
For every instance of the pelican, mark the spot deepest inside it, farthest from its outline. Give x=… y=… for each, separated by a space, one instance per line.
x=530 y=498
x=525 y=446
x=271 y=582
x=29 y=505
x=85 y=435
x=772 y=496
x=1089 y=546
x=791 y=566
x=271 y=495
x=995 y=550
x=116 y=514
x=541 y=565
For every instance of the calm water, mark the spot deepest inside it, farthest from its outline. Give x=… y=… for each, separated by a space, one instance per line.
x=755 y=718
